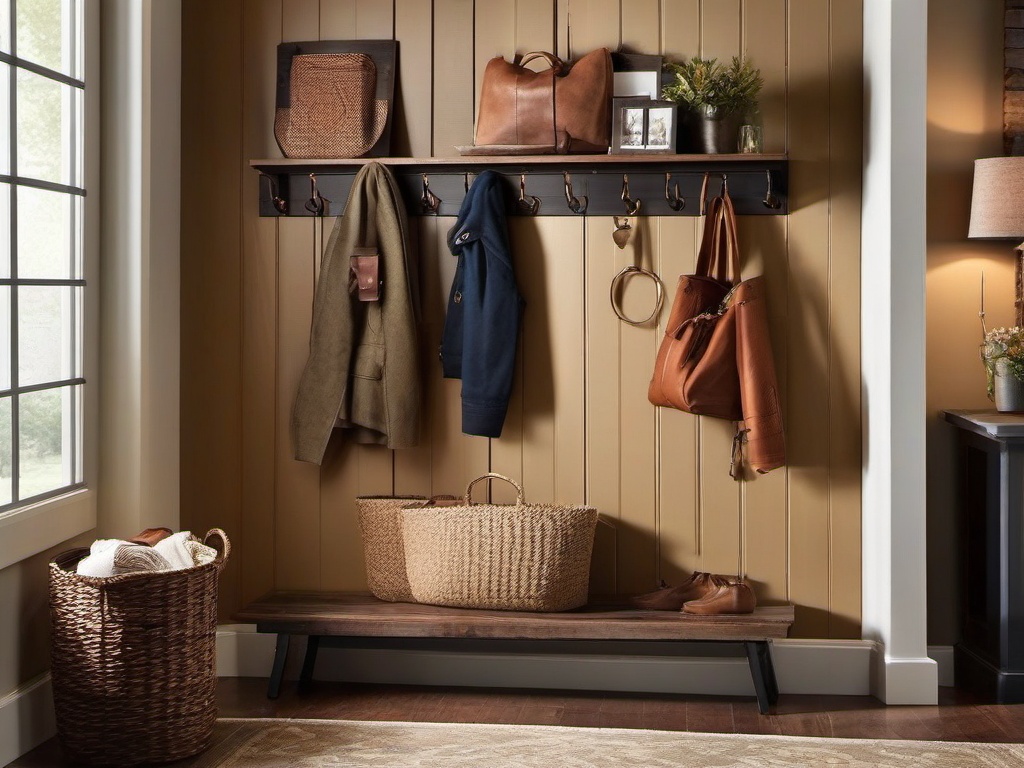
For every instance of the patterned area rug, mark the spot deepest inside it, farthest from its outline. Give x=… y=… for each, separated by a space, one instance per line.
x=316 y=743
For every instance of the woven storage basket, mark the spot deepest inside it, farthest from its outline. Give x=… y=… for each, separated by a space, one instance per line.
x=380 y=522
x=133 y=660
x=521 y=557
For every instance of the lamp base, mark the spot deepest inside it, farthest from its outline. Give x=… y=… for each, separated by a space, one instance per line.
x=1018 y=302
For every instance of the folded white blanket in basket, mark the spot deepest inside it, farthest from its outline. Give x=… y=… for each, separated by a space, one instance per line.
x=113 y=557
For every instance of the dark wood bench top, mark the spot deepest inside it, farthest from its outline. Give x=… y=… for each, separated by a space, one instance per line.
x=361 y=615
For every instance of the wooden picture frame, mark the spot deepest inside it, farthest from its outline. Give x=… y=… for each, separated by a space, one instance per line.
x=643 y=126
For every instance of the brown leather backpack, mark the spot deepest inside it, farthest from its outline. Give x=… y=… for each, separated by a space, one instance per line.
x=716 y=356
x=560 y=109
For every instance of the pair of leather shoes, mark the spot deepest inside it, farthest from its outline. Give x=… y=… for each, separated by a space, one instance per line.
x=702 y=593
x=729 y=596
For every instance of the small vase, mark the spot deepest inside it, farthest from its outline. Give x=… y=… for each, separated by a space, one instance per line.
x=711 y=133
x=1009 y=390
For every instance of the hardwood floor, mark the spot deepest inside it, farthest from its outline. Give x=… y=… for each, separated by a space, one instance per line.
x=959 y=716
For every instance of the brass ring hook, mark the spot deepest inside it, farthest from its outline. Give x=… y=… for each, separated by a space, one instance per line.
x=315 y=204
x=632 y=206
x=576 y=204
x=527 y=203
x=430 y=202
x=675 y=201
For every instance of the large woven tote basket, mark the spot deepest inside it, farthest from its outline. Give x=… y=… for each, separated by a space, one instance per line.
x=515 y=557
x=133 y=660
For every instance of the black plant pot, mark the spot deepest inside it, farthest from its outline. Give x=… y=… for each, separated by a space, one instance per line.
x=709 y=135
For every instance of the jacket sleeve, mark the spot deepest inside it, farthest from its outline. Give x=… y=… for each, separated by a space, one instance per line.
x=759 y=390
x=492 y=310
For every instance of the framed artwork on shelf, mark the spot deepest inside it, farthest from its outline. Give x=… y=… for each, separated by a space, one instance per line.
x=643 y=126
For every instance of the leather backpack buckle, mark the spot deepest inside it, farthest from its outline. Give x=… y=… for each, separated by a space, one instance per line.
x=365 y=272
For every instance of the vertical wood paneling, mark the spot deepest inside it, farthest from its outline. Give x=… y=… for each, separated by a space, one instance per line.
x=845 y=119
x=678 y=437
x=641 y=26
x=807 y=345
x=764 y=43
x=297 y=491
x=454 y=68
x=720 y=29
x=720 y=494
x=593 y=24
x=412 y=134
x=210 y=369
x=261 y=33
x=579 y=425
x=680 y=29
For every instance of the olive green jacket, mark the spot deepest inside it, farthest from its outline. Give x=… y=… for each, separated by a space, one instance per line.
x=363 y=373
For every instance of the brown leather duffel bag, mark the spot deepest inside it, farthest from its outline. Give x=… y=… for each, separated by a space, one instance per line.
x=560 y=109
x=716 y=356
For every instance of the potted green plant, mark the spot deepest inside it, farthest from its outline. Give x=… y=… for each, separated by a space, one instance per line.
x=714 y=100
x=1003 y=354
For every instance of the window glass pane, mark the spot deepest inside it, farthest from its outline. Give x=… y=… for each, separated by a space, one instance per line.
x=5 y=230
x=44 y=33
x=45 y=438
x=48 y=136
x=6 y=446
x=49 y=234
x=48 y=341
x=5 y=337
x=5 y=121
x=5 y=26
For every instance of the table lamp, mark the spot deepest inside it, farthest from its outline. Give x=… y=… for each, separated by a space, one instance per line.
x=997 y=211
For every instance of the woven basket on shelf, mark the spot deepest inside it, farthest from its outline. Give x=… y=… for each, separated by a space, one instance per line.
x=515 y=557
x=133 y=660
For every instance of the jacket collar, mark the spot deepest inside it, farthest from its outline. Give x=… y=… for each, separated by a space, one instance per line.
x=483 y=203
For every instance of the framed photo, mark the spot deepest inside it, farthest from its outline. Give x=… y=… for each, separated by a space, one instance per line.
x=635 y=74
x=643 y=126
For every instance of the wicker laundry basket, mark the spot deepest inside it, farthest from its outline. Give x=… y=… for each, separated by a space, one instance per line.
x=133 y=660
x=515 y=557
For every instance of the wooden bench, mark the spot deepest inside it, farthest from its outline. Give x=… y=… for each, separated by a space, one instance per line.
x=349 y=614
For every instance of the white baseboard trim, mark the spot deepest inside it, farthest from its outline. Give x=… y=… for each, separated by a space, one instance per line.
x=942 y=655
x=840 y=667
x=906 y=680
x=26 y=718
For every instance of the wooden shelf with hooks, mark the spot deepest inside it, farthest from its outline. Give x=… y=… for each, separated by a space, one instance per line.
x=754 y=181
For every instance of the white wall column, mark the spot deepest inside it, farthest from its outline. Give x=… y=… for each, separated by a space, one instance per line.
x=139 y=341
x=893 y=348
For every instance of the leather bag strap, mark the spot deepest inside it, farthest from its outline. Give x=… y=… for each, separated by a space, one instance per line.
x=706 y=255
x=522 y=59
x=732 y=239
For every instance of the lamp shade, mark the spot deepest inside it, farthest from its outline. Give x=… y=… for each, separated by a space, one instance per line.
x=997 y=206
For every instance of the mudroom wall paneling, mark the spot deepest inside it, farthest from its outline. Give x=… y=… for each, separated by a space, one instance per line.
x=579 y=426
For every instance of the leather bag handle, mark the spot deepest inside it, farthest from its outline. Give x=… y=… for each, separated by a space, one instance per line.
x=706 y=255
x=522 y=59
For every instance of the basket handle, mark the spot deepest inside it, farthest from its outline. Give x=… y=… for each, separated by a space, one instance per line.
x=520 y=500
x=223 y=548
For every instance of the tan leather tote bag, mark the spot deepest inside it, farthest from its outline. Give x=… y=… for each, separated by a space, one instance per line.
x=561 y=109
x=716 y=356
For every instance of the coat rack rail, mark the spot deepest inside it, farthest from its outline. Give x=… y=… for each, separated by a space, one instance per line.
x=564 y=185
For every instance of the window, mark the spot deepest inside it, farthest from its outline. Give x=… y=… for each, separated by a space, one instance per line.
x=42 y=246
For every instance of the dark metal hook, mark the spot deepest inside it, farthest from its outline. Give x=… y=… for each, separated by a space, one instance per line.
x=632 y=206
x=315 y=204
x=280 y=204
x=430 y=202
x=527 y=203
x=770 y=199
x=675 y=201
x=576 y=204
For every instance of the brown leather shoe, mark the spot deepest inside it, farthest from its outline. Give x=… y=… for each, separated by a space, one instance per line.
x=727 y=597
x=672 y=598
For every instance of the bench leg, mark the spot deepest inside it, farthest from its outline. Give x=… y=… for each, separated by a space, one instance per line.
x=312 y=646
x=277 y=673
x=762 y=671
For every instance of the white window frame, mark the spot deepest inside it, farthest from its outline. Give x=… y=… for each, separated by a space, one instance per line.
x=28 y=530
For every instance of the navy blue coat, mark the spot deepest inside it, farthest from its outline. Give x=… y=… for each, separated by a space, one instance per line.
x=484 y=309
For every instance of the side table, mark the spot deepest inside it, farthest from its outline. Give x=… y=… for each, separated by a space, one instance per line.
x=990 y=655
